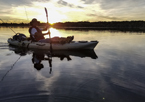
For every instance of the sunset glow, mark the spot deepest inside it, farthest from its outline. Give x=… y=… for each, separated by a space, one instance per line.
x=72 y=10
x=52 y=17
x=39 y=13
x=54 y=33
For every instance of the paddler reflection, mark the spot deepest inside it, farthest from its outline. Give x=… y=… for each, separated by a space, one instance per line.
x=38 y=56
x=37 y=59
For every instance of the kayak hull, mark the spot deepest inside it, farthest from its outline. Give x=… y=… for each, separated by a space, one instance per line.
x=55 y=46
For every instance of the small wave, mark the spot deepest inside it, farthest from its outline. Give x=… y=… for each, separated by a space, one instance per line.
x=25 y=98
x=4 y=45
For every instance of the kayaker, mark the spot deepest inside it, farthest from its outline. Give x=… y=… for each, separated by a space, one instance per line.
x=37 y=35
x=36 y=32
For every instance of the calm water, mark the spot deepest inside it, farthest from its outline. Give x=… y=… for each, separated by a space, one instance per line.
x=113 y=72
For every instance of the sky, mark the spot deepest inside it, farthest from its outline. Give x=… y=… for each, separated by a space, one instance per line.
x=72 y=10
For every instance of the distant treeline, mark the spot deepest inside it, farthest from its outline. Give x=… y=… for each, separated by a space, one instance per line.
x=116 y=24
x=102 y=25
x=19 y=24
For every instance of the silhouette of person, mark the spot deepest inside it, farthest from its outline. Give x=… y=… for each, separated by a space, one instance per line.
x=63 y=56
x=37 y=59
x=36 y=32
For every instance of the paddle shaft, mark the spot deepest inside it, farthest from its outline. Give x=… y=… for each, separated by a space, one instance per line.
x=49 y=31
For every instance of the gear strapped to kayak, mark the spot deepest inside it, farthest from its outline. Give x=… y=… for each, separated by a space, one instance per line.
x=19 y=37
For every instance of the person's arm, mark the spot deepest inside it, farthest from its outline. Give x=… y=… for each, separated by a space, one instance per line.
x=46 y=28
x=37 y=34
x=46 y=33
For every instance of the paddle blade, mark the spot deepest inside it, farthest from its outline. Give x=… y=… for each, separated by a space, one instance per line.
x=46 y=14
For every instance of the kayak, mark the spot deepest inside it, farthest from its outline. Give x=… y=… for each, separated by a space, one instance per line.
x=73 y=45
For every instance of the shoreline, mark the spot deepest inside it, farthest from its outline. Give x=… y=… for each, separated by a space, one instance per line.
x=114 y=29
x=131 y=26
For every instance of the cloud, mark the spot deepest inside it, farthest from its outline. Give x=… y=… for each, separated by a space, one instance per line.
x=8 y=5
x=62 y=2
x=92 y=10
x=20 y=2
x=15 y=2
x=80 y=7
x=89 y=1
x=124 y=4
x=68 y=4
x=123 y=9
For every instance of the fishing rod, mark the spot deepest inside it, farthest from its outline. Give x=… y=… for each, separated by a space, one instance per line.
x=9 y=27
x=26 y=14
x=10 y=69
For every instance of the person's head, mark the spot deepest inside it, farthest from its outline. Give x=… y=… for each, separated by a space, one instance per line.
x=34 y=22
x=38 y=66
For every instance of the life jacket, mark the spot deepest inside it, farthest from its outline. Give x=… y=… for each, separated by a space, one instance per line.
x=36 y=37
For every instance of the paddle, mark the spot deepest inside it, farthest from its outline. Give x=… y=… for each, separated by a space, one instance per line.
x=50 y=61
x=49 y=31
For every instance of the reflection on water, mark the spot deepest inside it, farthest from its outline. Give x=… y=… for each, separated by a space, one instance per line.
x=21 y=82
x=40 y=55
x=117 y=74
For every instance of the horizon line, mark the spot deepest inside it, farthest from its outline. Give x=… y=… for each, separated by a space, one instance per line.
x=74 y=22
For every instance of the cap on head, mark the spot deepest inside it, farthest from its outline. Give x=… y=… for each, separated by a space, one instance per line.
x=38 y=66
x=34 y=20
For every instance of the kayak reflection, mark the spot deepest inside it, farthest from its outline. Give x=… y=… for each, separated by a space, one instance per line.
x=40 y=55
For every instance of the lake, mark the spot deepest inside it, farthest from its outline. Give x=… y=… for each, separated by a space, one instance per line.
x=113 y=72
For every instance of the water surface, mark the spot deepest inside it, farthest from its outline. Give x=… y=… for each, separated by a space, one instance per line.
x=112 y=72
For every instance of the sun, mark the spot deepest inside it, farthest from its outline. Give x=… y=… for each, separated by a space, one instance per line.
x=53 y=16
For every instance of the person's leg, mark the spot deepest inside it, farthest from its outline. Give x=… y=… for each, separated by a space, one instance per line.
x=45 y=40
